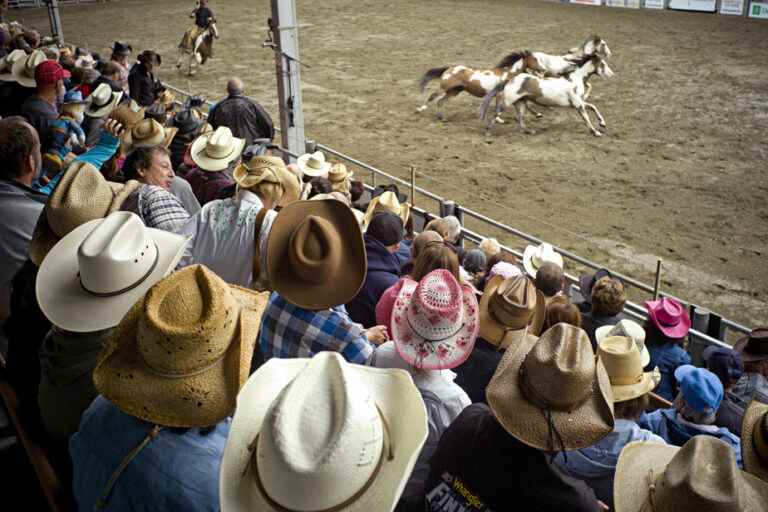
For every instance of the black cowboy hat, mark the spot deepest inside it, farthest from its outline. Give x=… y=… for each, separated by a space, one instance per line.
x=187 y=121
x=121 y=48
x=754 y=346
x=195 y=102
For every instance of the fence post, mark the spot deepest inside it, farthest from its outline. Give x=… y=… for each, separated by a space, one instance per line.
x=310 y=146
x=413 y=186
x=447 y=208
x=657 y=281
x=55 y=20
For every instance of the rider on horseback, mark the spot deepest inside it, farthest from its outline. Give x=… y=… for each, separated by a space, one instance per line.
x=203 y=15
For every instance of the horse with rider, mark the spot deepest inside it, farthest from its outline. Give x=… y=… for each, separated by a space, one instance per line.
x=197 y=42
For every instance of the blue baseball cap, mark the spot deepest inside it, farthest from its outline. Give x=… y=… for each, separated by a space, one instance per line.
x=701 y=388
x=724 y=362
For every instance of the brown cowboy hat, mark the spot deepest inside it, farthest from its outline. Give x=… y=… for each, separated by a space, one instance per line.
x=148 y=133
x=315 y=254
x=753 y=346
x=507 y=307
x=754 y=439
x=270 y=169
x=553 y=394
x=182 y=353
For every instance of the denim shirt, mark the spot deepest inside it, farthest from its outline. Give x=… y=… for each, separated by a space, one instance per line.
x=667 y=357
x=175 y=471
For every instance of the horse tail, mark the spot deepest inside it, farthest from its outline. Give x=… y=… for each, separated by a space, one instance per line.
x=430 y=75
x=513 y=57
x=488 y=98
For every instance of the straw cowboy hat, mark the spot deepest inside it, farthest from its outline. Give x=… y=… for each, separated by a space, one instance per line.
x=268 y=169
x=700 y=476
x=535 y=257
x=23 y=70
x=669 y=316
x=322 y=434
x=166 y=99
x=622 y=361
x=313 y=164
x=339 y=177
x=387 y=202
x=213 y=151
x=553 y=394
x=93 y=276
x=435 y=321
x=7 y=62
x=754 y=439
x=103 y=101
x=315 y=254
x=128 y=115
x=182 y=353
x=507 y=307
x=629 y=329
x=754 y=346
x=82 y=195
x=148 y=133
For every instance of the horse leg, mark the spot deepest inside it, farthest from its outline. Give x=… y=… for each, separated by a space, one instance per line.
x=587 y=90
x=529 y=109
x=584 y=115
x=450 y=93
x=597 y=113
x=499 y=110
x=429 y=100
x=520 y=108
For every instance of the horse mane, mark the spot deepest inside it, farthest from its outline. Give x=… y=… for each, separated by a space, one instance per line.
x=512 y=58
x=581 y=60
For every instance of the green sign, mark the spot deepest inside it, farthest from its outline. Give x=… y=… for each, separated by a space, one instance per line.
x=758 y=10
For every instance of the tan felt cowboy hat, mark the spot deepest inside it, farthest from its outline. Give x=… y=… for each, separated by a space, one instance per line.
x=322 y=434
x=507 y=307
x=148 y=133
x=184 y=350
x=23 y=70
x=82 y=195
x=93 y=276
x=535 y=257
x=7 y=62
x=629 y=329
x=270 y=169
x=213 y=151
x=552 y=394
x=701 y=476
x=623 y=362
x=313 y=164
x=754 y=439
x=315 y=254
x=103 y=101
x=387 y=202
x=128 y=115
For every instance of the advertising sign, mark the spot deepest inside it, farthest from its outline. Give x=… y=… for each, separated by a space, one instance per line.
x=735 y=7
x=587 y=2
x=758 y=10
x=693 y=5
x=654 y=4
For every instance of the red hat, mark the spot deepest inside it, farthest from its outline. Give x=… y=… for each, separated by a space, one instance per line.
x=49 y=72
x=669 y=316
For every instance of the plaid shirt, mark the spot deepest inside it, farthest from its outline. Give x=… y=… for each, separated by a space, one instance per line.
x=289 y=331
x=157 y=207
x=750 y=385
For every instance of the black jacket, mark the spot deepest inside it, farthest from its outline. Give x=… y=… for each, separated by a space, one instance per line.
x=247 y=119
x=474 y=374
x=142 y=85
x=383 y=272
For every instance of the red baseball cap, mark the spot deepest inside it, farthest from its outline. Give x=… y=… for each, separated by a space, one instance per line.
x=50 y=72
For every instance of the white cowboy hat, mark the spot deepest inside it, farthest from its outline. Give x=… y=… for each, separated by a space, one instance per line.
x=313 y=164
x=23 y=70
x=92 y=276
x=322 y=434
x=103 y=101
x=628 y=329
x=7 y=62
x=535 y=257
x=213 y=151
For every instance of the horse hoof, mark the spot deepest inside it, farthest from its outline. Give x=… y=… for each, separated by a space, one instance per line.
x=597 y=134
x=499 y=120
x=421 y=108
x=539 y=115
x=530 y=132
x=603 y=125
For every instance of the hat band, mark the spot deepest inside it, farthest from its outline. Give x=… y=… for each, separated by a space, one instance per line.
x=100 y=105
x=127 y=288
x=433 y=340
x=541 y=401
x=668 y=322
x=164 y=375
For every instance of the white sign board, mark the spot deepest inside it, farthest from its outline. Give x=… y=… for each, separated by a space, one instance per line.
x=631 y=4
x=758 y=10
x=654 y=4
x=735 y=7
x=693 y=5
x=587 y=2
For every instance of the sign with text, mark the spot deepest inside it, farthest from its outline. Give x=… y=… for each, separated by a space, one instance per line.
x=758 y=10
x=735 y=7
x=630 y=4
x=693 y=5
x=587 y=2
x=654 y=4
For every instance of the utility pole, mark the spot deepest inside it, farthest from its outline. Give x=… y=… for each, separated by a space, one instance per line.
x=55 y=19
x=284 y=31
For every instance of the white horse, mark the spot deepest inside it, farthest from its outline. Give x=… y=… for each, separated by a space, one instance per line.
x=199 y=50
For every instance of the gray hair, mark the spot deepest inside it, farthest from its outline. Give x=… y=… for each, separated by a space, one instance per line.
x=235 y=86
x=705 y=417
x=454 y=227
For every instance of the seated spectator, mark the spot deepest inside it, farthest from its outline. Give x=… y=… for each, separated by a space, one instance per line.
x=534 y=257
x=500 y=257
x=454 y=229
x=111 y=74
x=694 y=411
x=586 y=283
x=388 y=202
x=417 y=246
x=47 y=77
x=240 y=225
x=382 y=239
x=550 y=280
x=316 y=263
x=753 y=384
x=189 y=124
x=102 y=253
x=560 y=310
x=314 y=165
x=511 y=310
x=168 y=380
x=247 y=119
x=596 y=464
x=754 y=435
x=340 y=178
x=548 y=395
x=141 y=78
x=727 y=365
x=103 y=102
x=438 y=296
x=608 y=299
x=120 y=57
x=666 y=328
x=490 y=247
x=447 y=231
x=321 y=434
x=474 y=264
x=356 y=191
x=702 y=475
x=315 y=187
x=215 y=154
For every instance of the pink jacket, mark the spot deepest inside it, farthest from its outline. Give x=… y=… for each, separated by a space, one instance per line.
x=387 y=303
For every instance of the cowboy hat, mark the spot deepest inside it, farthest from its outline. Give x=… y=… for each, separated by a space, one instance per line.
x=313 y=164
x=315 y=254
x=507 y=307
x=128 y=115
x=167 y=99
x=121 y=48
x=186 y=347
x=322 y=434
x=622 y=361
x=754 y=439
x=7 y=62
x=669 y=316
x=85 y=60
x=103 y=101
x=268 y=169
x=82 y=195
x=213 y=151
x=339 y=177
x=552 y=393
x=93 y=276
x=629 y=329
x=188 y=120
x=700 y=476
x=754 y=346
x=23 y=70
x=435 y=321
x=387 y=202
x=534 y=257
x=148 y=133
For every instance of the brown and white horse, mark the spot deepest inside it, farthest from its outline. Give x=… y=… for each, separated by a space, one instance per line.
x=199 y=50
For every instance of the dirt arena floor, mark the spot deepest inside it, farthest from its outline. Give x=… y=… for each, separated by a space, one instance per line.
x=679 y=175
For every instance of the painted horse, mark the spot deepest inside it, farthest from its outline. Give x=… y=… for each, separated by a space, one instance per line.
x=198 y=50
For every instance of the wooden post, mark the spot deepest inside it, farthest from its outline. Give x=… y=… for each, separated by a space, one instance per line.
x=657 y=281
x=413 y=186
x=55 y=20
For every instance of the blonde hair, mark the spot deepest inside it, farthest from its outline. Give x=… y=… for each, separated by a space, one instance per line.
x=490 y=246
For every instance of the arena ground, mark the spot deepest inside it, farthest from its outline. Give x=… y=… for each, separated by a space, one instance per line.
x=679 y=175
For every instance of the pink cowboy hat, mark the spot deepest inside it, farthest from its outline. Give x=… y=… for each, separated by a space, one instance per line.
x=435 y=322
x=669 y=316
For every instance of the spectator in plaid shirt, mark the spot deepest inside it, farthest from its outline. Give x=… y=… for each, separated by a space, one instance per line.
x=315 y=262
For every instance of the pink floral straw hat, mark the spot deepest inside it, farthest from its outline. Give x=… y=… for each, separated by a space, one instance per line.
x=435 y=322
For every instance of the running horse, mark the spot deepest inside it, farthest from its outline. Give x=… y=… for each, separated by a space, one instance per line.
x=199 y=50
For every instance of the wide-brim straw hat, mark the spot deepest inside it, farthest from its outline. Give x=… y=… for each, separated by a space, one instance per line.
x=622 y=361
x=387 y=202
x=148 y=133
x=535 y=256
x=700 y=476
x=103 y=101
x=7 y=62
x=754 y=439
x=63 y=298
x=630 y=329
x=265 y=450
x=23 y=70
x=271 y=169
x=315 y=254
x=520 y=304
x=128 y=115
x=214 y=151
x=552 y=393
x=313 y=164
x=183 y=351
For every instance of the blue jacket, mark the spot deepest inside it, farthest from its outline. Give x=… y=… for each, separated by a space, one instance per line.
x=383 y=272
x=667 y=357
x=674 y=430
x=60 y=132
x=175 y=471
